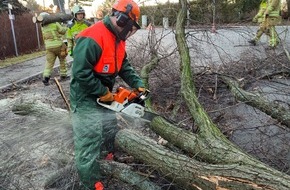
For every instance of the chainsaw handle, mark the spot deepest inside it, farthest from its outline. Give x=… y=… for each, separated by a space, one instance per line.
x=144 y=95
x=101 y=102
x=140 y=99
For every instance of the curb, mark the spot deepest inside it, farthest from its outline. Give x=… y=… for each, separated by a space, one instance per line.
x=15 y=84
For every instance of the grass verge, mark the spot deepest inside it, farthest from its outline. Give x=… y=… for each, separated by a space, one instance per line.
x=21 y=58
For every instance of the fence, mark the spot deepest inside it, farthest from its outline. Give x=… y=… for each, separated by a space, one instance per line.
x=25 y=35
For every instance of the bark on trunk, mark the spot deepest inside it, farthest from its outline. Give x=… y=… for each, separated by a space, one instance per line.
x=191 y=174
x=126 y=174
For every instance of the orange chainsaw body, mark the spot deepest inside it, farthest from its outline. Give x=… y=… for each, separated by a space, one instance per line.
x=123 y=94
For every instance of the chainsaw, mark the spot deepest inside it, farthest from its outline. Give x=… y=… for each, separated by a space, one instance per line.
x=130 y=103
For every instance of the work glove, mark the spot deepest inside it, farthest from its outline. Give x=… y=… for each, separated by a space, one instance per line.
x=108 y=97
x=139 y=90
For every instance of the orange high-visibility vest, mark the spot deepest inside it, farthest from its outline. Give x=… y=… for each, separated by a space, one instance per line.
x=113 y=52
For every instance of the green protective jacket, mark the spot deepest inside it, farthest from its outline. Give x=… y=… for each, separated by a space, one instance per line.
x=53 y=35
x=274 y=8
x=74 y=28
x=94 y=127
x=86 y=85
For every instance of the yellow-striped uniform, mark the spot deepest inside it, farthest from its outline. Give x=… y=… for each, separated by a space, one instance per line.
x=53 y=40
x=268 y=16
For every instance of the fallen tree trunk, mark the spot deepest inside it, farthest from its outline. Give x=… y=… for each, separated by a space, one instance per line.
x=191 y=174
x=210 y=149
x=276 y=111
x=185 y=171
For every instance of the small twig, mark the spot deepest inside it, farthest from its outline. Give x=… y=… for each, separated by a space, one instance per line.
x=14 y=84
x=284 y=48
x=215 y=88
x=62 y=93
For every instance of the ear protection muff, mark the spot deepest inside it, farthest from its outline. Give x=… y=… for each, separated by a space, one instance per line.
x=123 y=17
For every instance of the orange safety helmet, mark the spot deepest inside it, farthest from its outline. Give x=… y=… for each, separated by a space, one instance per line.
x=128 y=7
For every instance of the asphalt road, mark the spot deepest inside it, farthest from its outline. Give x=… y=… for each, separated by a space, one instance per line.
x=22 y=72
x=222 y=47
x=226 y=45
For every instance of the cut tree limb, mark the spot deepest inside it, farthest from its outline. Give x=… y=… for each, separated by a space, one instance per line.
x=62 y=93
x=47 y=19
x=276 y=111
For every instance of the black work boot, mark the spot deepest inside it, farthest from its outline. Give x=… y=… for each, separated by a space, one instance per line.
x=45 y=81
x=63 y=78
x=252 y=42
x=270 y=47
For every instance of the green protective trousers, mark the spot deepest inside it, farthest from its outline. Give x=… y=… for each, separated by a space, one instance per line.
x=51 y=55
x=94 y=130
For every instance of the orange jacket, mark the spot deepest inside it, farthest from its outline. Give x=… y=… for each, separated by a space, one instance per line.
x=113 y=51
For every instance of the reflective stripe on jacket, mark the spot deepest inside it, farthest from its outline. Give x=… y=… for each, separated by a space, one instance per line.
x=260 y=15
x=274 y=8
x=74 y=28
x=52 y=35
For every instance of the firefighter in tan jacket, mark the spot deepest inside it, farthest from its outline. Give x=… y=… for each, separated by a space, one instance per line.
x=53 y=40
x=268 y=17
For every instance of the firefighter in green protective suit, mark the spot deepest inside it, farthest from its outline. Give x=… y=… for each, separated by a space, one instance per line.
x=75 y=26
x=268 y=16
x=99 y=58
x=55 y=47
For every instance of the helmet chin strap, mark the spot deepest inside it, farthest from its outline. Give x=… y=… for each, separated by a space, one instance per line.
x=128 y=28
